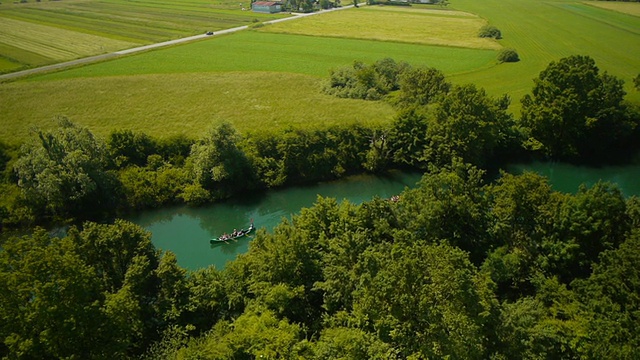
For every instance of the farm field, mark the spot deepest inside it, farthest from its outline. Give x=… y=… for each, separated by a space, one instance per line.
x=631 y=8
x=38 y=33
x=119 y=93
x=420 y=25
x=170 y=104
x=247 y=78
x=545 y=31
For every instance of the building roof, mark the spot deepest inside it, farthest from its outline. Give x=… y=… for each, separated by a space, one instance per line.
x=265 y=3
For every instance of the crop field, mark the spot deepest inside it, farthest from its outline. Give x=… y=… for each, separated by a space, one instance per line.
x=270 y=78
x=39 y=33
x=169 y=104
x=161 y=91
x=427 y=26
x=631 y=8
x=258 y=51
x=545 y=31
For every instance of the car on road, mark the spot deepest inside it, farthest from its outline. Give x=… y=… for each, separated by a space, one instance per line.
x=209 y=32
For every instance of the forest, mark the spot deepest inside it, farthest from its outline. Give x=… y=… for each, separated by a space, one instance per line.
x=472 y=263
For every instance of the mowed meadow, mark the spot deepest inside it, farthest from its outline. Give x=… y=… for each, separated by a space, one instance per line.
x=270 y=78
x=545 y=31
x=36 y=33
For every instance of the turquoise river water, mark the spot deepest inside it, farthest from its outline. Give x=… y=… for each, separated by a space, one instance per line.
x=186 y=231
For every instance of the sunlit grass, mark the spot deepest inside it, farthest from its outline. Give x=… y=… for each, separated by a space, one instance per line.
x=54 y=43
x=257 y=51
x=545 y=31
x=631 y=8
x=170 y=104
x=61 y=30
x=406 y=24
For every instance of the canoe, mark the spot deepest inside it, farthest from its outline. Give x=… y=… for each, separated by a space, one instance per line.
x=239 y=234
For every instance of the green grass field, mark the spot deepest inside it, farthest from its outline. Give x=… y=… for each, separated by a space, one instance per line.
x=427 y=26
x=161 y=92
x=40 y=33
x=630 y=8
x=168 y=104
x=270 y=78
x=545 y=31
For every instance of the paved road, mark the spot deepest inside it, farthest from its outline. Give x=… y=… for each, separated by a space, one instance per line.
x=116 y=54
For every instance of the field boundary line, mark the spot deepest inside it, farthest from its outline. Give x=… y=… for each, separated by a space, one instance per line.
x=109 y=56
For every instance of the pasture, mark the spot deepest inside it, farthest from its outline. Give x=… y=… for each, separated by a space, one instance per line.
x=545 y=31
x=418 y=25
x=270 y=78
x=161 y=92
x=189 y=103
x=37 y=33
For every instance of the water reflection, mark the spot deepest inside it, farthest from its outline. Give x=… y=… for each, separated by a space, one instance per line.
x=187 y=230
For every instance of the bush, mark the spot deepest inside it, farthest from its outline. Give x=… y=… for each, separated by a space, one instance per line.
x=490 y=31
x=508 y=55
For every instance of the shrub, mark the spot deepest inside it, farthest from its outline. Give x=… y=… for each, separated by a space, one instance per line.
x=508 y=55
x=490 y=31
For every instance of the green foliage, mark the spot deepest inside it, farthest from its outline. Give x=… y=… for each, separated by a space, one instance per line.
x=63 y=173
x=469 y=124
x=636 y=82
x=50 y=302
x=256 y=334
x=350 y=343
x=128 y=148
x=218 y=165
x=421 y=86
x=103 y=285
x=490 y=31
x=369 y=82
x=508 y=55
x=423 y=299
x=612 y=299
x=575 y=112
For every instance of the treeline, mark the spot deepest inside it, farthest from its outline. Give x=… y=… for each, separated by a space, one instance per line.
x=575 y=113
x=456 y=268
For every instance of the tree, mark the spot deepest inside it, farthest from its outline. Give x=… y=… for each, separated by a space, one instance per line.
x=424 y=300
x=611 y=298
x=421 y=86
x=128 y=148
x=52 y=305
x=408 y=138
x=508 y=55
x=592 y=221
x=636 y=82
x=490 y=31
x=471 y=125
x=219 y=165
x=63 y=173
x=575 y=112
x=447 y=206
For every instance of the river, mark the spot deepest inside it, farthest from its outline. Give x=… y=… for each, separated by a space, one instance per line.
x=186 y=230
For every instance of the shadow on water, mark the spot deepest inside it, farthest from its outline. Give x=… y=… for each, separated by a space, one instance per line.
x=186 y=231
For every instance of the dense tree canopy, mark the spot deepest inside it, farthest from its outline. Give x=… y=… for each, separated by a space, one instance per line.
x=575 y=111
x=64 y=173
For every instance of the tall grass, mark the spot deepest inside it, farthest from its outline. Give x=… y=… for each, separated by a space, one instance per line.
x=170 y=104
